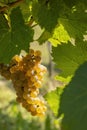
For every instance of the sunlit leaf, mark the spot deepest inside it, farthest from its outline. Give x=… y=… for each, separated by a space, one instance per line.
x=53 y=99
x=68 y=57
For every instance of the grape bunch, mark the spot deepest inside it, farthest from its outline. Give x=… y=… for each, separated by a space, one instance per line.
x=26 y=73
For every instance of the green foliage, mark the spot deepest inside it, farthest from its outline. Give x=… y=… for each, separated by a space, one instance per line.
x=68 y=57
x=53 y=98
x=16 y=119
x=61 y=21
x=76 y=21
x=15 y=37
x=73 y=101
x=46 y=13
x=44 y=36
x=59 y=35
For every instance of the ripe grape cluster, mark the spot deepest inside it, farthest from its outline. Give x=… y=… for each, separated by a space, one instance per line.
x=26 y=73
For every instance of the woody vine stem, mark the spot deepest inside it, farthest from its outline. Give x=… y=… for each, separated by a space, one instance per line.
x=10 y=5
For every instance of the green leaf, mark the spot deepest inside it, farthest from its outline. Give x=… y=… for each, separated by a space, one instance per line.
x=44 y=36
x=3 y=25
x=53 y=99
x=2 y=4
x=26 y=10
x=68 y=57
x=72 y=24
x=70 y=3
x=73 y=104
x=75 y=20
x=46 y=14
x=62 y=21
x=16 y=38
x=62 y=79
x=59 y=35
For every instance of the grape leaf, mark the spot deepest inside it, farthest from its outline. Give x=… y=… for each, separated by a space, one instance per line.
x=60 y=20
x=53 y=99
x=73 y=102
x=3 y=26
x=75 y=21
x=46 y=14
x=71 y=3
x=72 y=23
x=44 y=36
x=59 y=35
x=26 y=11
x=16 y=38
x=68 y=57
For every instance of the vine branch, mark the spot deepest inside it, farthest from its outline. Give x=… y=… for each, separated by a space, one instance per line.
x=10 y=5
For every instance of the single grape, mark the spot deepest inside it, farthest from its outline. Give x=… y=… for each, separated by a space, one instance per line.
x=37 y=53
x=33 y=107
x=31 y=52
x=37 y=84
